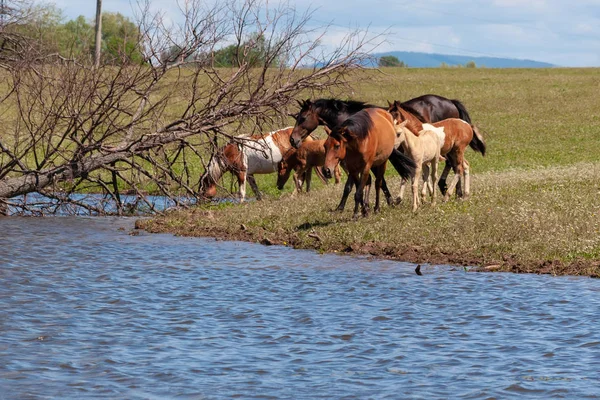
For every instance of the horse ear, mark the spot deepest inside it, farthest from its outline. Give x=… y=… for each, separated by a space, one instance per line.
x=389 y=104
x=346 y=133
x=300 y=103
x=403 y=124
x=327 y=130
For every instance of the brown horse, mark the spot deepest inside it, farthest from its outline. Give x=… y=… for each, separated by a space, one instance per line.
x=458 y=135
x=258 y=154
x=364 y=141
x=309 y=155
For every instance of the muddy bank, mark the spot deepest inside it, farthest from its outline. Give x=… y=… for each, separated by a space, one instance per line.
x=392 y=251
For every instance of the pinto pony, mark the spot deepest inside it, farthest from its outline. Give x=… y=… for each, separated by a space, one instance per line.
x=258 y=154
x=364 y=141
x=458 y=135
x=309 y=155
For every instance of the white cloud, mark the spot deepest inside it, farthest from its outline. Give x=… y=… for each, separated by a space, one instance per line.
x=556 y=31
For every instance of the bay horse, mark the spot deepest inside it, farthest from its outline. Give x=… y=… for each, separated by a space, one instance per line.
x=364 y=142
x=458 y=135
x=424 y=149
x=333 y=112
x=310 y=154
x=246 y=156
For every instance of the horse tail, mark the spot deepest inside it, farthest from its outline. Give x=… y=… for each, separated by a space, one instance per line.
x=405 y=166
x=462 y=111
x=477 y=142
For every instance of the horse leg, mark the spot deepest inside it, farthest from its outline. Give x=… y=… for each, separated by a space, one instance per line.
x=460 y=163
x=337 y=174
x=442 y=182
x=379 y=181
x=254 y=187
x=415 y=186
x=359 y=199
x=403 y=184
x=425 y=175
x=347 y=189
x=241 y=176
x=386 y=191
x=467 y=178
x=297 y=183
x=367 y=191
x=458 y=170
x=434 y=169
x=308 y=177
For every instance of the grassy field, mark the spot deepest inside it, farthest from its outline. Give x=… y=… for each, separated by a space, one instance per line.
x=534 y=206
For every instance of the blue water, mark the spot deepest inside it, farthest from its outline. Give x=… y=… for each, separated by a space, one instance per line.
x=89 y=310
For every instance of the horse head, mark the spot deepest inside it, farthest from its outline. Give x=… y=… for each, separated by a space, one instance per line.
x=400 y=132
x=283 y=173
x=394 y=109
x=307 y=120
x=335 y=149
x=208 y=187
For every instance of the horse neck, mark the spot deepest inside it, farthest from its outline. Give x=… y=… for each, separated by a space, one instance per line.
x=281 y=139
x=331 y=118
x=410 y=138
x=214 y=171
x=413 y=123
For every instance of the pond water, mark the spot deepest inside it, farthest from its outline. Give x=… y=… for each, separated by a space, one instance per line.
x=89 y=310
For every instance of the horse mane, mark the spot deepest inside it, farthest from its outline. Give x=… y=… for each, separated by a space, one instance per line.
x=358 y=124
x=331 y=108
x=413 y=112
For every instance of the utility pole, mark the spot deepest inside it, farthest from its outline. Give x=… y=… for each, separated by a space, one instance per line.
x=98 y=33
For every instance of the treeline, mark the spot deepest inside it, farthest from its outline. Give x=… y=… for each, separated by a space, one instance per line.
x=122 y=41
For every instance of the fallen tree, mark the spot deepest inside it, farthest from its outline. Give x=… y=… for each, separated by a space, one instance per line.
x=69 y=127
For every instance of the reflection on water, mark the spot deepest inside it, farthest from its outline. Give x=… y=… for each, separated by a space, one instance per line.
x=92 y=204
x=90 y=310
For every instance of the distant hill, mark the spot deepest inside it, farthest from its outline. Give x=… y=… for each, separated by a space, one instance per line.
x=425 y=60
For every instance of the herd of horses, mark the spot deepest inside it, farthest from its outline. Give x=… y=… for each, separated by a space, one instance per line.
x=361 y=138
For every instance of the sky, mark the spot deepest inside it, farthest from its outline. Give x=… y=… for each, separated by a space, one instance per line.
x=561 y=32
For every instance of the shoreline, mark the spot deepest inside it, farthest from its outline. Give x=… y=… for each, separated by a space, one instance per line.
x=379 y=250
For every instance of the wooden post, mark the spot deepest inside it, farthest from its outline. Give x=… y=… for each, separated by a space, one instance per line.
x=98 y=43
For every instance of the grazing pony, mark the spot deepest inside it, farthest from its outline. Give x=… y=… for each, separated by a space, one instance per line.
x=458 y=135
x=424 y=149
x=309 y=155
x=331 y=113
x=364 y=141
x=258 y=154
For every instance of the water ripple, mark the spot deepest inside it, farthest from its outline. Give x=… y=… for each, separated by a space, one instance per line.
x=91 y=311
